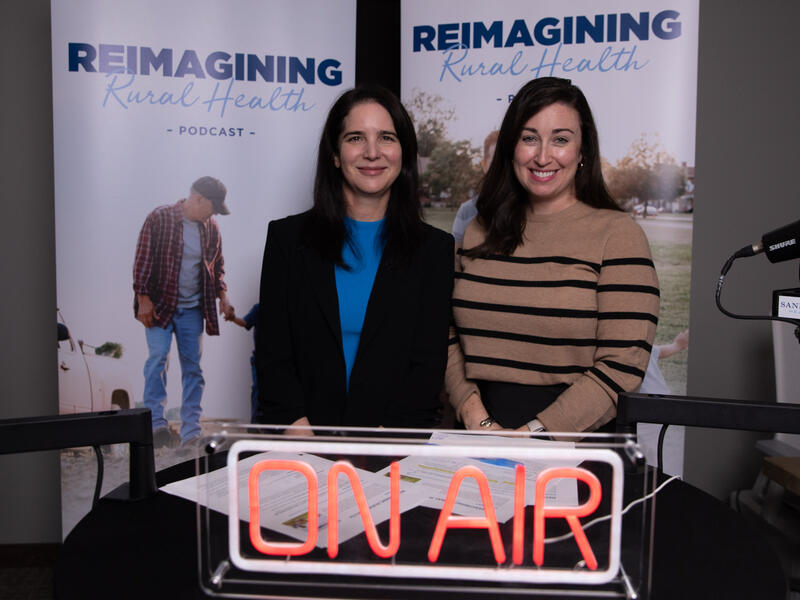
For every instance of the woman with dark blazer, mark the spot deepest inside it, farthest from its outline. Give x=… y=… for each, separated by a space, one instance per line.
x=355 y=293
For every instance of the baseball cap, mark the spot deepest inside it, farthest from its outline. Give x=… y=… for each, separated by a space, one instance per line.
x=213 y=189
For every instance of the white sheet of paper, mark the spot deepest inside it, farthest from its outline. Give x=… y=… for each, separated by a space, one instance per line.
x=283 y=496
x=436 y=475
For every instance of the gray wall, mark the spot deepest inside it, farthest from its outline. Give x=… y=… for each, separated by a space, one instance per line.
x=747 y=158
x=30 y=506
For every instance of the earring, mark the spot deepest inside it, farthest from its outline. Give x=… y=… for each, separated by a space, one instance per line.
x=580 y=164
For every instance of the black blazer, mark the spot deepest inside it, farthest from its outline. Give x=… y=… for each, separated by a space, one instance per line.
x=402 y=355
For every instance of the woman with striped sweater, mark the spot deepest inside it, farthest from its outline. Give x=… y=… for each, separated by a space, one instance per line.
x=556 y=299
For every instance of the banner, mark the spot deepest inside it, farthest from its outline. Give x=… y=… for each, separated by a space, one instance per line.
x=148 y=97
x=463 y=61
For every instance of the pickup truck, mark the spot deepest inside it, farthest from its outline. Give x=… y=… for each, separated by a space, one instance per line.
x=88 y=382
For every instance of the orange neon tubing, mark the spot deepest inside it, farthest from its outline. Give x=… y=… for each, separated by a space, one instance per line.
x=488 y=521
x=283 y=548
x=518 y=538
x=379 y=549
x=571 y=514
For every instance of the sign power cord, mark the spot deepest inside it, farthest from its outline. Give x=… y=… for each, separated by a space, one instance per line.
x=566 y=536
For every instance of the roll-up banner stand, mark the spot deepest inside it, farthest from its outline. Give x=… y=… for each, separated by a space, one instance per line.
x=462 y=63
x=149 y=96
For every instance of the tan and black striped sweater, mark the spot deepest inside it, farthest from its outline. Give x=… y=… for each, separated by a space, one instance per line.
x=576 y=303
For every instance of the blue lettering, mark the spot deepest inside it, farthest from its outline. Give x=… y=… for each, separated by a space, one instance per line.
x=112 y=88
x=448 y=35
x=611 y=31
x=567 y=30
x=628 y=24
x=664 y=29
x=519 y=34
x=116 y=85
x=551 y=36
x=584 y=26
x=423 y=36
x=282 y=69
x=265 y=69
x=81 y=55
x=483 y=34
x=470 y=70
x=610 y=60
x=131 y=59
x=290 y=100
x=190 y=65
x=541 y=69
x=547 y=31
x=110 y=57
x=465 y=34
x=329 y=72
x=224 y=99
x=239 y=66
x=305 y=71
x=161 y=61
x=449 y=62
x=225 y=70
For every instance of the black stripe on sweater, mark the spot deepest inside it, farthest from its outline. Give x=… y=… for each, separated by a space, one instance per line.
x=624 y=368
x=548 y=341
x=526 y=366
x=619 y=287
x=606 y=379
x=576 y=283
x=616 y=262
x=536 y=260
x=633 y=316
x=526 y=310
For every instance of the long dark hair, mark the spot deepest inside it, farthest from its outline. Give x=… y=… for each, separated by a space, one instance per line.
x=403 y=225
x=502 y=202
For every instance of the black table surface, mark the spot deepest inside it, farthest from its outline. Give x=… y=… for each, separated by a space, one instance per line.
x=148 y=549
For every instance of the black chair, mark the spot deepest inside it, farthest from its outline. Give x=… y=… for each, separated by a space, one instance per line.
x=133 y=426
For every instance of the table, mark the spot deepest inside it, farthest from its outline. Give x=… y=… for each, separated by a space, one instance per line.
x=148 y=549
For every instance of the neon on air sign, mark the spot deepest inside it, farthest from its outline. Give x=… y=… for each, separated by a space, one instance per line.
x=274 y=556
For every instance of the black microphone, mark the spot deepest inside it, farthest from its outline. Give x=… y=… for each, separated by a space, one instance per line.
x=780 y=244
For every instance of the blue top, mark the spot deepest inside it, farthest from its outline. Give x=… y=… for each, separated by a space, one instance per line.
x=251 y=318
x=355 y=286
x=250 y=321
x=466 y=212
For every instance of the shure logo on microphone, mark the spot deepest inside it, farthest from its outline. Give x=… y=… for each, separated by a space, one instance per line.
x=783 y=244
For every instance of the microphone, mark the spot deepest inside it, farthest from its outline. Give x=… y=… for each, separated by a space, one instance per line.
x=779 y=245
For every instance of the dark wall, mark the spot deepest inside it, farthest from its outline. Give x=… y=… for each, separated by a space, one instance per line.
x=746 y=159
x=378 y=43
x=30 y=507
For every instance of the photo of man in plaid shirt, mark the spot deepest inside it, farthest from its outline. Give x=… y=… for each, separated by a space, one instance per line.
x=178 y=275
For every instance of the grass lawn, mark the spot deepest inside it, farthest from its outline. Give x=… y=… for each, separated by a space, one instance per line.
x=673 y=264
x=441 y=218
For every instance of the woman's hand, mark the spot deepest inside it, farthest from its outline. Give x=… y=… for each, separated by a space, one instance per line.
x=473 y=412
x=302 y=428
